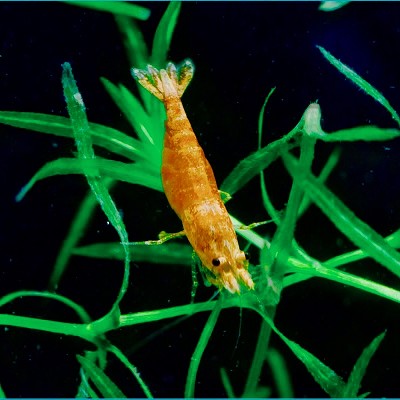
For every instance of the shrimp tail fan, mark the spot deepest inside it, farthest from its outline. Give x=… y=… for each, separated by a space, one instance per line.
x=165 y=83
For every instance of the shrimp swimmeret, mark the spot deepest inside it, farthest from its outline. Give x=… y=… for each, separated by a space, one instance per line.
x=190 y=185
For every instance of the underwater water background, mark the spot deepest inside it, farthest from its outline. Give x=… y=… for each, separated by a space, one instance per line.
x=240 y=50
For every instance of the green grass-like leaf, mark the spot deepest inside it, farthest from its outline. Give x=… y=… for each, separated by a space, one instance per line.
x=264 y=193
x=329 y=381
x=116 y=7
x=132 y=109
x=361 y=234
x=227 y=384
x=134 y=42
x=102 y=382
x=199 y=350
x=169 y=253
x=252 y=165
x=357 y=374
x=316 y=269
x=281 y=374
x=61 y=328
x=118 y=353
x=108 y=138
x=163 y=35
x=137 y=53
x=360 y=82
x=258 y=361
x=76 y=231
x=367 y=133
x=76 y=110
x=79 y=310
x=96 y=168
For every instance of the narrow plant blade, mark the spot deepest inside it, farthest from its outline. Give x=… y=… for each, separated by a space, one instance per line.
x=115 y=7
x=76 y=110
x=76 y=231
x=367 y=133
x=167 y=253
x=357 y=374
x=227 y=384
x=118 y=353
x=360 y=82
x=79 y=310
x=163 y=36
x=329 y=381
x=200 y=348
x=352 y=256
x=101 y=381
x=361 y=234
x=252 y=165
x=280 y=373
x=132 y=109
x=96 y=168
x=137 y=53
x=153 y=128
x=108 y=138
x=135 y=44
x=332 y=5
x=345 y=278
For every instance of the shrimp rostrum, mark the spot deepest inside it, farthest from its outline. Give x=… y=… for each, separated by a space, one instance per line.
x=190 y=185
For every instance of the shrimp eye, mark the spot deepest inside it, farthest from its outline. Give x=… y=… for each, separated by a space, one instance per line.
x=216 y=262
x=247 y=255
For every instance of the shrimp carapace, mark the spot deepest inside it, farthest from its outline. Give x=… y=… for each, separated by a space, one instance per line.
x=190 y=185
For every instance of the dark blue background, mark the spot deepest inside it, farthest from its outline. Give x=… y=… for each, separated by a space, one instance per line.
x=241 y=50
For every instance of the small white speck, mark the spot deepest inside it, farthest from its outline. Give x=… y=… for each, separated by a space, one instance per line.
x=78 y=98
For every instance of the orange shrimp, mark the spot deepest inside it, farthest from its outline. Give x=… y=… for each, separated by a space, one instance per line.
x=190 y=185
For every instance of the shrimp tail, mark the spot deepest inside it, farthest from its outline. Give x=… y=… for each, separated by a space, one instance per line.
x=165 y=83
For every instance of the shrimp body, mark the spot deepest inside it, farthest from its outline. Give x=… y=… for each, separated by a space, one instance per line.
x=190 y=185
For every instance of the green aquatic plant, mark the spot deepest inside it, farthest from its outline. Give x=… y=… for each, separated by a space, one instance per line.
x=282 y=261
